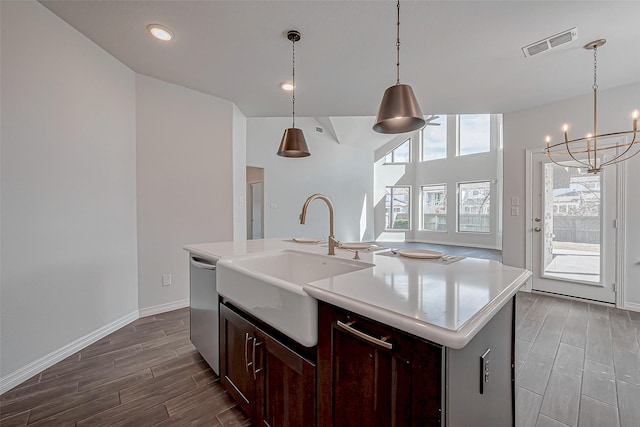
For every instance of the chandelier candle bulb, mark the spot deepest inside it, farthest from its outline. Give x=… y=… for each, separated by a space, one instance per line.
x=565 y=129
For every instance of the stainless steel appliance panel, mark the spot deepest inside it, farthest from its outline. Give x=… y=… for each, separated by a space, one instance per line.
x=204 y=310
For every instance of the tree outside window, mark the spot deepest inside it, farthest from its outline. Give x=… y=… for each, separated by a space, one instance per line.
x=434 y=207
x=474 y=207
x=398 y=207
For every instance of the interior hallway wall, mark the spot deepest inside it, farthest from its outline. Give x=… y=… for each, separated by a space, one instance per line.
x=185 y=178
x=69 y=264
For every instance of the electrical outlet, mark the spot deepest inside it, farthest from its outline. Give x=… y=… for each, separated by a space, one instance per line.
x=166 y=280
x=515 y=211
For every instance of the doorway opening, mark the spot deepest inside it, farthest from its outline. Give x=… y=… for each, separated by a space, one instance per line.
x=255 y=203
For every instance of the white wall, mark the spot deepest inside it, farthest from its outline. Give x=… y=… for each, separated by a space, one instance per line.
x=68 y=186
x=185 y=182
x=450 y=171
x=239 y=175
x=528 y=128
x=341 y=172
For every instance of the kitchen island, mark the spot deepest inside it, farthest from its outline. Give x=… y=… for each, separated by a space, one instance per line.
x=405 y=341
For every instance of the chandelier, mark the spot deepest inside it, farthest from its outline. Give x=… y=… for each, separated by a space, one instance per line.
x=595 y=151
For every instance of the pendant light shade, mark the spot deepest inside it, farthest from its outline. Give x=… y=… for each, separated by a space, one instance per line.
x=399 y=110
x=293 y=143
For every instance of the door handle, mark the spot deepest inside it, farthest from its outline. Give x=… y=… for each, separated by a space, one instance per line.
x=537 y=229
x=247 y=338
x=255 y=371
x=536 y=219
x=382 y=342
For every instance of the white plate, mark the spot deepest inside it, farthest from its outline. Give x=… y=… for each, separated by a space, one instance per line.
x=355 y=246
x=420 y=253
x=308 y=239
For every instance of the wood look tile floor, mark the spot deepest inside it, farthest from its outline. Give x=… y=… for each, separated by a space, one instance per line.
x=577 y=364
x=145 y=374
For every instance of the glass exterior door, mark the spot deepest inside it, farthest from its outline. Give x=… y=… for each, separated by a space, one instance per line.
x=573 y=230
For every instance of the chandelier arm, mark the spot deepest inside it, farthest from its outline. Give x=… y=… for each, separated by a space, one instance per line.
x=588 y=164
x=631 y=144
x=559 y=164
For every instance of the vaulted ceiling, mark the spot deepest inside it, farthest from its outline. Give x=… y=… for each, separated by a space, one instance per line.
x=459 y=56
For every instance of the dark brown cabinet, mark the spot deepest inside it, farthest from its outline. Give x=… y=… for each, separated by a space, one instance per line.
x=274 y=385
x=373 y=375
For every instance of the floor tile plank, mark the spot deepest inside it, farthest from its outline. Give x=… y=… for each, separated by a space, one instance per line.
x=562 y=399
x=628 y=406
x=599 y=382
x=594 y=413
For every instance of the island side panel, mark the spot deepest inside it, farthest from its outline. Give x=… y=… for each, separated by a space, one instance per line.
x=480 y=391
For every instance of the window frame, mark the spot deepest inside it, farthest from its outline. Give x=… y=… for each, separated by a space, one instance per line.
x=445 y=126
x=459 y=135
x=459 y=205
x=409 y=208
x=422 y=203
x=391 y=152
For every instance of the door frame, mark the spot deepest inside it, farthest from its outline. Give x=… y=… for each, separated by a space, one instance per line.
x=619 y=245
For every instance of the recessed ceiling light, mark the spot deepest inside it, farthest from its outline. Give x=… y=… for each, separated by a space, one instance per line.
x=160 y=32
x=288 y=86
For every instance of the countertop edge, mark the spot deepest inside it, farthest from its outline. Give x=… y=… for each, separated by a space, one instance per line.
x=453 y=339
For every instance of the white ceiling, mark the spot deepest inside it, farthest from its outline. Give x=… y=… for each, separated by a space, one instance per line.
x=459 y=56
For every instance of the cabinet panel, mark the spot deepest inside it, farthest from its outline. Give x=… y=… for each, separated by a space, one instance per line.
x=289 y=386
x=236 y=374
x=363 y=382
x=273 y=384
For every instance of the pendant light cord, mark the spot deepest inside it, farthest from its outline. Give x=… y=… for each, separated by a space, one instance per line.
x=293 y=81
x=398 y=46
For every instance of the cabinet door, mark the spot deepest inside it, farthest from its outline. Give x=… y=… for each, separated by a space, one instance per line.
x=236 y=364
x=369 y=374
x=286 y=385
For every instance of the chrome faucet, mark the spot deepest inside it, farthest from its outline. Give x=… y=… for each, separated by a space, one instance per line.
x=333 y=243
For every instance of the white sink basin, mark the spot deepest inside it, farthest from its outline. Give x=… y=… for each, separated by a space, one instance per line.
x=269 y=286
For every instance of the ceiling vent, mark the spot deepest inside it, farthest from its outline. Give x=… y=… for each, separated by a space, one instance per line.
x=550 y=42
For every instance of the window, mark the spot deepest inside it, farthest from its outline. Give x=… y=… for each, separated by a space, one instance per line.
x=434 y=207
x=434 y=139
x=401 y=154
x=474 y=133
x=398 y=208
x=474 y=207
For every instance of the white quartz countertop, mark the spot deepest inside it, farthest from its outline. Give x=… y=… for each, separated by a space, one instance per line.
x=446 y=303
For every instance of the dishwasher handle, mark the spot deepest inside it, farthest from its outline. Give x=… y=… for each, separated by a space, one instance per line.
x=202 y=263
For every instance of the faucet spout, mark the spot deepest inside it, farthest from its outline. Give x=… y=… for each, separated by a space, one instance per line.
x=333 y=243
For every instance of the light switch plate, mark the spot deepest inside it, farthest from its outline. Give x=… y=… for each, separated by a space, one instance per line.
x=515 y=211
x=515 y=201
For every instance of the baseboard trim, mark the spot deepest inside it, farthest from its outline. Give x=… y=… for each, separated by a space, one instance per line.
x=631 y=306
x=13 y=379
x=163 y=308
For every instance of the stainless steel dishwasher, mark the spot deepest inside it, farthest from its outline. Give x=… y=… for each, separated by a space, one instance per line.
x=204 y=310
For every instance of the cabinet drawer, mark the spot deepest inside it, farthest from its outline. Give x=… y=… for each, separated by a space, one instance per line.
x=372 y=374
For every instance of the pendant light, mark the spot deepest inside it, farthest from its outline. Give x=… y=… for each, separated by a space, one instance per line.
x=399 y=110
x=293 y=143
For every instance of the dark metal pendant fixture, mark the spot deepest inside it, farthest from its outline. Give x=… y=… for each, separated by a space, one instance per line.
x=399 y=110
x=293 y=143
